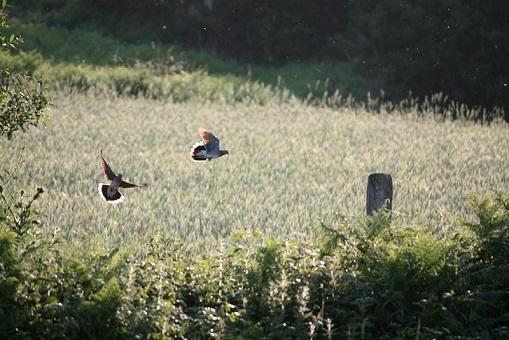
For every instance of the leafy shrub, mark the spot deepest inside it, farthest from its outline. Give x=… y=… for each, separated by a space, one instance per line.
x=491 y=231
x=22 y=99
x=481 y=296
x=369 y=278
x=23 y=103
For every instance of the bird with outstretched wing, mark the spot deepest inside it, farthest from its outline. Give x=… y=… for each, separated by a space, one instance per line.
x=110 y=192
x=207 y=148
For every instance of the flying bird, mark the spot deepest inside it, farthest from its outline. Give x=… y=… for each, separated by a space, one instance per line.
x=110 y=192
x=207 y=148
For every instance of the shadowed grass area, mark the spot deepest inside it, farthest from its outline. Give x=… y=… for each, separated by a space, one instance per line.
x=81 y=59
x=60 y=46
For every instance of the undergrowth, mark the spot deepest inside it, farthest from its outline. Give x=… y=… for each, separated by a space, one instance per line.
x=367 y=278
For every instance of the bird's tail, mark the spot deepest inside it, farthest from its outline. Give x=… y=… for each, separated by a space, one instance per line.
x=115 y=198
x=198 y=152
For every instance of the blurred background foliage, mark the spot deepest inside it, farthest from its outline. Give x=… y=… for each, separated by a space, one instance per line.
x=392 y=48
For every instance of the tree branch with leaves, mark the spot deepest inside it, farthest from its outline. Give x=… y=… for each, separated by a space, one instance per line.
x=23 y=100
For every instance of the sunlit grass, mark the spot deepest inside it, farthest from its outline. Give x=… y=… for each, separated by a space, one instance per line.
x=288 y=165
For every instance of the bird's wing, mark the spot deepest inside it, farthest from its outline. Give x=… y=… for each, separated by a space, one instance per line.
x=211 y=142
x=108 y=173
x=125 y=185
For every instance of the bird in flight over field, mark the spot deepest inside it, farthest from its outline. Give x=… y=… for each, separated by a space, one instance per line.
x=110 y=192
x=207 y=148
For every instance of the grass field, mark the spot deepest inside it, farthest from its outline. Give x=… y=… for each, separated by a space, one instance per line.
x=288 y=165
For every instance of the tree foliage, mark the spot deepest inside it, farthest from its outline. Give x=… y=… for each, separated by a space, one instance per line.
x=21 y=241
x=454 y=47
x=22 y=97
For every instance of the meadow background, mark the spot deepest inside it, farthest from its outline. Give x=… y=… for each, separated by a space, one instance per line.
x=271 y=240
x=289 y=165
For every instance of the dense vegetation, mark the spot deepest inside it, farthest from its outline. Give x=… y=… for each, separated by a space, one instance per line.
x=366 y=279
x=455 y=47
x=376 y=277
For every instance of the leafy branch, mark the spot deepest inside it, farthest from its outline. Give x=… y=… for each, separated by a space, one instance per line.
x=23 y=98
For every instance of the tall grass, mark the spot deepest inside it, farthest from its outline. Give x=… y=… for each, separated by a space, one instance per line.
x=294 y=157
x=289 y=163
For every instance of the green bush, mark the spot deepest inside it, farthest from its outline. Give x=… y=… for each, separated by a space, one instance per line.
x=369 y=278
x=23 y=103
x=482 y=294
x=22 y=97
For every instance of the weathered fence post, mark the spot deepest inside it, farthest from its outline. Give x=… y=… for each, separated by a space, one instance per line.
x=379 y=193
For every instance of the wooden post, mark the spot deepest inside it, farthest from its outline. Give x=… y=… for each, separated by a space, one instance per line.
x=379 y=193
